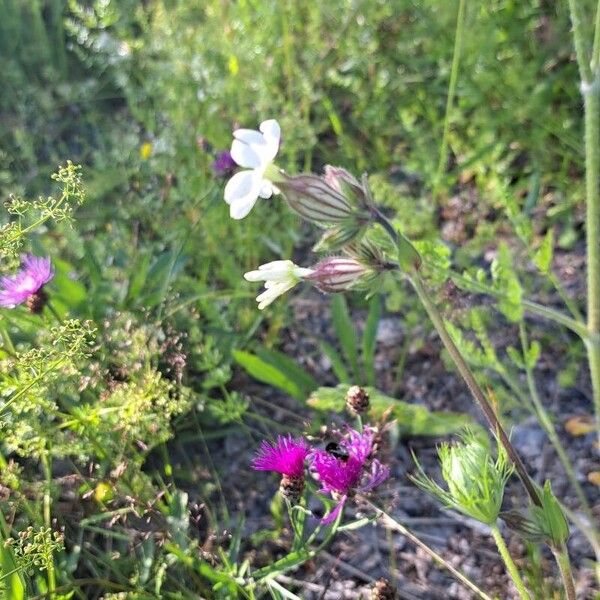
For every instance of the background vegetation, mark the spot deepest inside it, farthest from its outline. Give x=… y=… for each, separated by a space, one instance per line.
x=130 y=389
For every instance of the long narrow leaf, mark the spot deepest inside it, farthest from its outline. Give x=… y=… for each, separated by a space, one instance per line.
x=346 y=333
x=369 y=339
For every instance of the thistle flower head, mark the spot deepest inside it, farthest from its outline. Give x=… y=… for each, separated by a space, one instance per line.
x=27 y=283
x=255 y=151
x=475 y=480
x=279 y=276
x=286 y=456
x=342 y=475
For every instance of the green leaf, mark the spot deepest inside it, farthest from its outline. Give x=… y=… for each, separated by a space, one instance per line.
x=337 y=362
x=268 y=373
x=369 y=339
x=290 y=368
x=344 y=328
x=412 y=419
x=542 y=257
x=10 y=575
x=507 y=283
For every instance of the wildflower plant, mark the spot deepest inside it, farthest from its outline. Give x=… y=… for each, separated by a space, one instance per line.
x=369 y=248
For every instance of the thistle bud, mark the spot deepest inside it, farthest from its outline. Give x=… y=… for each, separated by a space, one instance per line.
x=36 y=302
x=314 y=199
x=337 y=274
x=357 y=400
x=291 y=488
x=383 y=590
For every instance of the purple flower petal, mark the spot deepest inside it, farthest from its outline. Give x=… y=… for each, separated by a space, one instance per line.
x=35 y=273
x=286 y=456
x=333 y=515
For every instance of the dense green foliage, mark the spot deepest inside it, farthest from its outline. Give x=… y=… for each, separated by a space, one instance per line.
x=109 y=398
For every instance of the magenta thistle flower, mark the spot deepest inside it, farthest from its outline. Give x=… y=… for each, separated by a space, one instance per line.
x=346 y=472
x=26 y=286
x=286 y=456
x=223 y=165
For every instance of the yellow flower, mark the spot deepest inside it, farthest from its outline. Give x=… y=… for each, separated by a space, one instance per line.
x=145 y=150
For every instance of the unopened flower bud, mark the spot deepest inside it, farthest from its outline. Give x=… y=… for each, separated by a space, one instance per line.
x=314 y=199
x=345 y=183
x=357 y=400
x=338 y=236
x=292 y=487
x=337 y=274
x=383 y=590
x=541 y=523
x=36 y=302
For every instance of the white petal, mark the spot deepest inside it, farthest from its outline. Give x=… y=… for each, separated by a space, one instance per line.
x=249 y=136
x=266 y=189
x=241 y=193
x=272 y=135
x=238 y=209
x=245 y=155
x=241 y=185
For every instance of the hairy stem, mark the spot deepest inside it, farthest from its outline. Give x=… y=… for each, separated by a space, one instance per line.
x=510 y=564
x=564 y=564
x=590 y=84
x=481 y=399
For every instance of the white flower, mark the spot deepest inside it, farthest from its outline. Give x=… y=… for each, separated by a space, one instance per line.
x=255 y=151
x=279 y=276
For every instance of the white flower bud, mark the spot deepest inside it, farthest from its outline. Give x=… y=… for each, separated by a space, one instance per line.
x=337 y=274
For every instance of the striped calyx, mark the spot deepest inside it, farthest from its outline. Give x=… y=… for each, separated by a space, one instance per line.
x=337 y=274
x=313 y=199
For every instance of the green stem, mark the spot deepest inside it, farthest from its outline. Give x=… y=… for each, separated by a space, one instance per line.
x=460 y=25
x=590 y=83
x=47 y=466
x=564 y=564
x=510 y=565
x=391 y=523
x=546 y=423
x=481 y=399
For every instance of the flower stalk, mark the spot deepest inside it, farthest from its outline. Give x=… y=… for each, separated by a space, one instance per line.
x=590 y=90
x=475 y=389
x=510 y=563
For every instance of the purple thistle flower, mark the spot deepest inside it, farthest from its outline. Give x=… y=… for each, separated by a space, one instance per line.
x=340 y=476
x=223 y=165
x=286 y=456
x=27 y=284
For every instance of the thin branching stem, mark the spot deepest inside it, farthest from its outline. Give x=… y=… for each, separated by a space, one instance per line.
x=478 y=394
x=458 y=42
x=511 y=567
x=392 y=523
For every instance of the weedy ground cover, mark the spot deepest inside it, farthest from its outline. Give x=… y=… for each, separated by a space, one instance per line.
x=142 y=392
